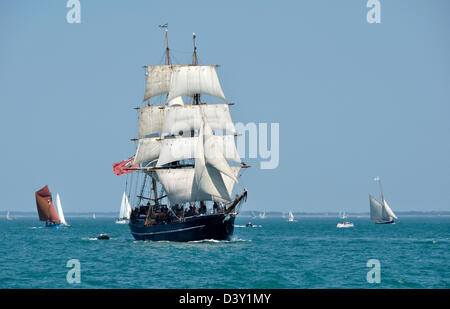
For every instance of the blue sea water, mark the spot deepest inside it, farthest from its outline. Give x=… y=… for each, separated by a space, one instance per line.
x=309 y=253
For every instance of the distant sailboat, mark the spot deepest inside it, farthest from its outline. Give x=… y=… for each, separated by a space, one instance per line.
x=93 y=216
x=345 y=224
x=8 y=217
x=125 y=210
x=60 y=211
x=343 y=215
x=263 y=215
x=381 y=213
x=291 y=217
x=46 y=208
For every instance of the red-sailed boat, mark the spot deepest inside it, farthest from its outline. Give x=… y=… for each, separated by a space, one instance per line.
x=46 y=209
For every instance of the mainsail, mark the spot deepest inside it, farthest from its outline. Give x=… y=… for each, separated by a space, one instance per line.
x=291 y=215
x=376 y=209
x=180 y=186
x=380 y=212
x=46 y=208
x=60 y=211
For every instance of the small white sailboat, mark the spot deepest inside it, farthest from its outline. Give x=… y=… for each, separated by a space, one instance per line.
x=60 y=211
x=381 y=213
x=125 y=210
x=345 y=224
x=291 y=217
x=263 y=215
x=93 y=215
x=343 y=215
x=8 y=216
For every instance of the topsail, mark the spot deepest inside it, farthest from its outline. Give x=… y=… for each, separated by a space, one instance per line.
x=167 y=120
x=182 y=80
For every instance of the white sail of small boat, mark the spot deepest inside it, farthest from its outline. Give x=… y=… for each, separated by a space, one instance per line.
x=381 y=213
x=343 y=215
x=93 y=215
x=59 y=210
x=125 y=210
x=263 y=215
x=8 y=217
x=291 y=217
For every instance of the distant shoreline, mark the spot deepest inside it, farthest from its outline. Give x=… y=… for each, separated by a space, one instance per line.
x=272 y=214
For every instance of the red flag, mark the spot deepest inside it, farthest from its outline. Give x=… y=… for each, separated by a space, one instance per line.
x=121 y=167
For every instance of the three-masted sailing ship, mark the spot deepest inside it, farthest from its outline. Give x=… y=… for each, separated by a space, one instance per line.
x=46 y=208
x=187 y=155
x=380 y=212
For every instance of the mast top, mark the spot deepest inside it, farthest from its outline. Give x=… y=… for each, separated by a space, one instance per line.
x=195 y=48
x=166 y=26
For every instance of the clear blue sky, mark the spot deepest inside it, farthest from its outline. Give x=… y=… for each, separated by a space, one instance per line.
x=354 y=100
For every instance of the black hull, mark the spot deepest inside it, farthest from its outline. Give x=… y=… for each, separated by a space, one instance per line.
x=215 y=226
x=385 y=222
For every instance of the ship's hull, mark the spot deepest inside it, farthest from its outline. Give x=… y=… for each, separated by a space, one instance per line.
x=214 y=226
x=385 y=222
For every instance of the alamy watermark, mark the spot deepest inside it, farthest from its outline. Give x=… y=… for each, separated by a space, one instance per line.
x=74 y=274
x=74 y=14
x=253 y=140
x=374 y=14
x=374 y=275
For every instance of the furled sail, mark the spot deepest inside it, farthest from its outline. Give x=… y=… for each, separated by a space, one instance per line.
x=376 y=209
x=46 y=208
x=148 y=150
x=60 y=211
x=180 y=186
x=191 y=80
x=173 y=119
x=181 y=148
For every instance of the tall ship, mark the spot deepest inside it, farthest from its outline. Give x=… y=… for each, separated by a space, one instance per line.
x=380 y=212
x=46 y=209
x=186 y=162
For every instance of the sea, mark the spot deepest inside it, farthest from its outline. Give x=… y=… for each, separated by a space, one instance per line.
x=311 y=253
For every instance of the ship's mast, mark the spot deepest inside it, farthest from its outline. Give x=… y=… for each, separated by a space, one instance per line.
x=154 y=184
x=381 y=191
x=167 y=45
x=196 y=96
